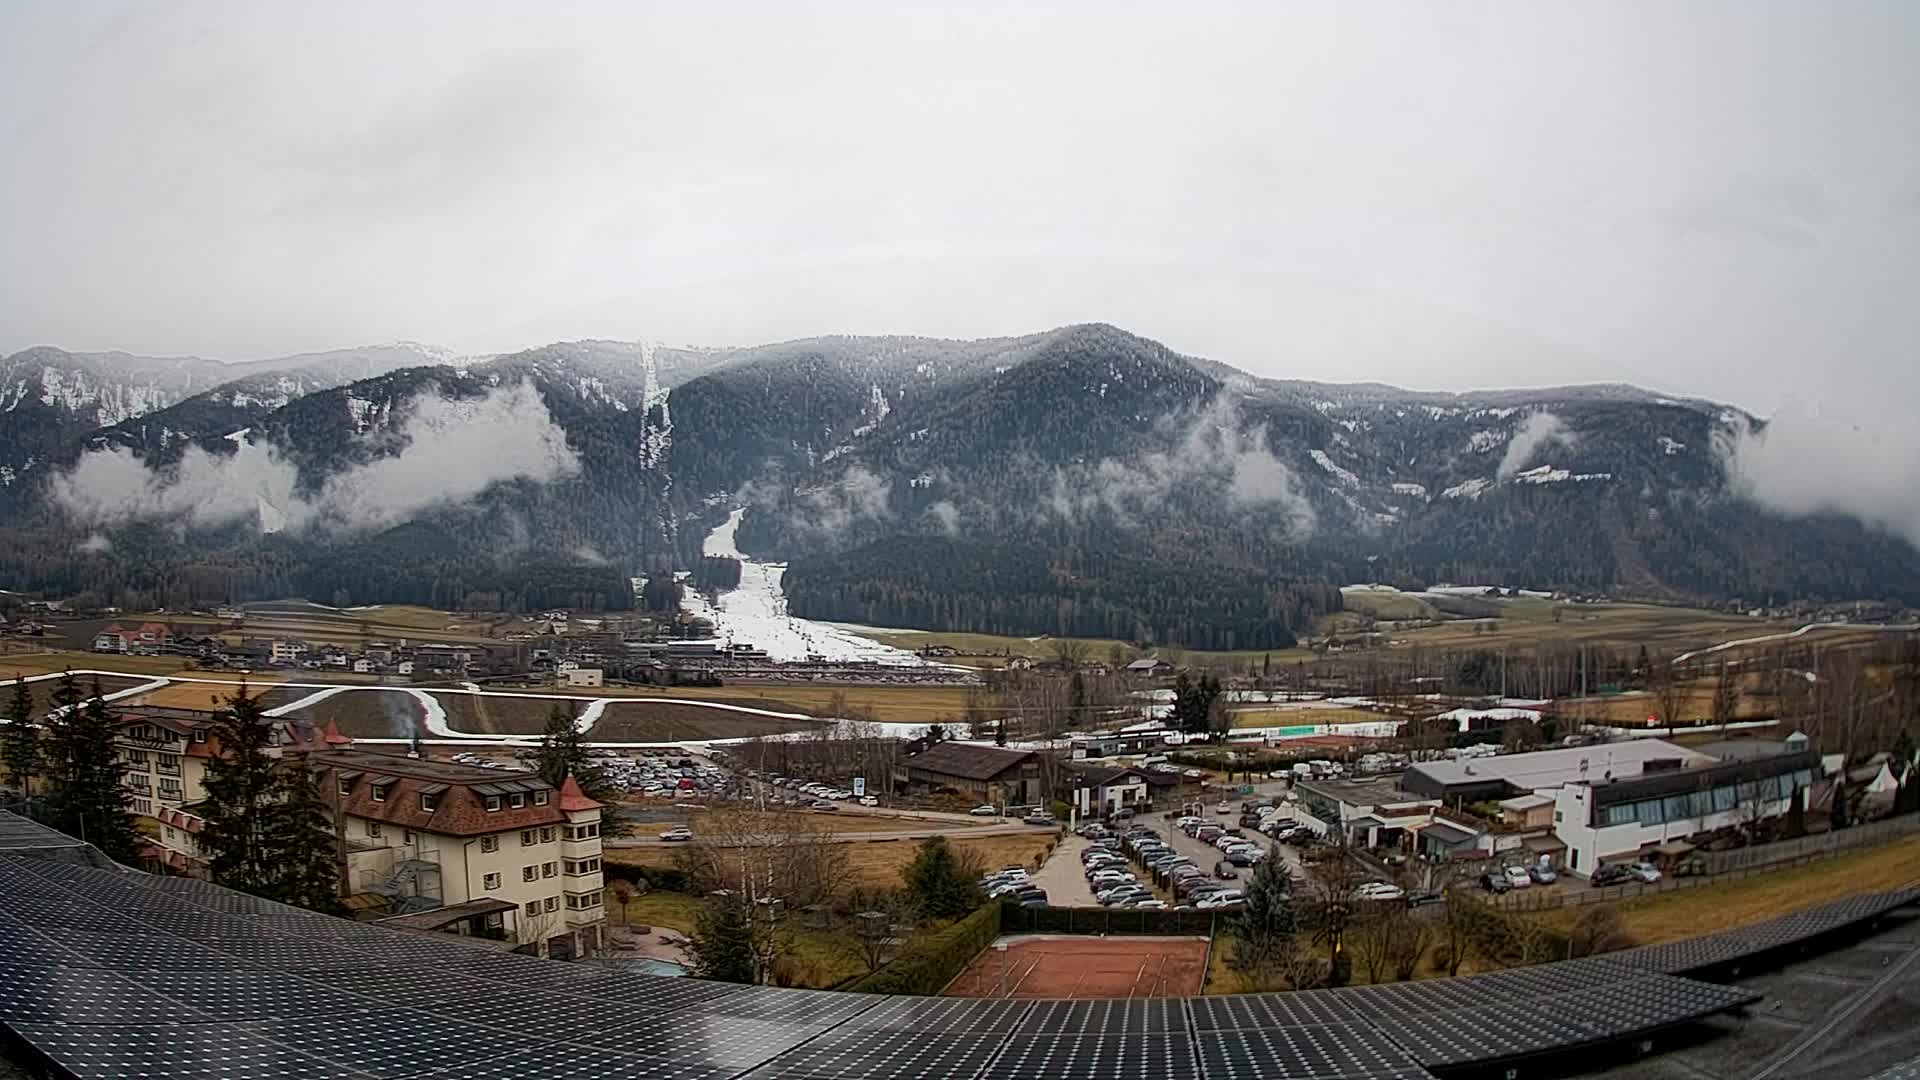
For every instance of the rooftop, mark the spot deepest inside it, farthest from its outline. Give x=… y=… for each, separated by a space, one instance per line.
x=1554 y=768
x=969 y=761
x=1373 y=791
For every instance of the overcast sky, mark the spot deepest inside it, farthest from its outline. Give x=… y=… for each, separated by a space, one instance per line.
x=1711 y=198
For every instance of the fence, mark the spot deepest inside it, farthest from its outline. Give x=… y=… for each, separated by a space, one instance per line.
x=1721 y=866
x=1015 y=919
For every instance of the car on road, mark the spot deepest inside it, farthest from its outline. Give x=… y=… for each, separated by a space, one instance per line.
x=1223 y=809
x=1379 y=890
x=1517 y=877
x=1645 y=873
x=823 y=804
x=1223 y=898
x=1495 y=882
x=984 y=811
x=1046 y=820
x=868 y=800
x=1542 y=875
x=678 y=832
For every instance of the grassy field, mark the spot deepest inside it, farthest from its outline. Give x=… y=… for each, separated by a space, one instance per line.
x=1705 y=910
x=876 y=864
x=196 y=695
x=820 y=958
x=1390 y=605
x=1528 y=621
x=41 y=663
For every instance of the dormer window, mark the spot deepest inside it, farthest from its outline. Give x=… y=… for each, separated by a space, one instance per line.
x=493 y=803
x=429 y=803
x=517 y=801
x=200 y=735
x=380 y=788
x=539 y=798
x=346 y=787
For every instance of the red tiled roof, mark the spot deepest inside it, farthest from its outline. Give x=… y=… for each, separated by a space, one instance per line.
x=572 y=798
x=460 y=811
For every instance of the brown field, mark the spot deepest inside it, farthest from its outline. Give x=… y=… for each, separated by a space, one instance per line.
x=1081 y=967
x=904 y=704
x=1257 y=716
x=1529 y=621
x=497 y=715
x=633 y=721
x=185 y=695
x=41 y=693
x=369 y=714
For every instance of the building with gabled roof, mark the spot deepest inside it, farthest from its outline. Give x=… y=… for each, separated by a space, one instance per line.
x=988 y=774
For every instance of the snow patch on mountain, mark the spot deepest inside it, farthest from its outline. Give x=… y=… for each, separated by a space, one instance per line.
x=1418 y=491
x=1670 y=446
x=1471 y=489
x=1344 y=476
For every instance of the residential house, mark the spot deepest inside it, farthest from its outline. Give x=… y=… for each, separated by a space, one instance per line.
x=1374 y=813
x=577 y=678
x=986 y=774
x=1103 y=793
x=112 y=638
x=1149 y=667
x=288 y=651
x=363 y=666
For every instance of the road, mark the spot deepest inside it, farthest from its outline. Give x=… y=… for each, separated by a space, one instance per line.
x=951 y=832
x=1064 y=877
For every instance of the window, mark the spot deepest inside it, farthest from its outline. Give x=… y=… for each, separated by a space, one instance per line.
x=553 y=903
x=346 y=787
x=200 y=735
x=495 y=921
x=380 y=792
x=1558 y=817
x=373 y=828
x=548 y=869
x=539 y=798
x=516 y=800
x=136 y=759
x=489 y=844
x=546 y=835
x=429 y=803
x=1674 y=807
x=526 y=838
x=582 y=866
x=1722 y=799
x=529 y=873
x=407 y=837
x=169 y=831
x=170 y=787
x=582 y=832
x=493 y=803
x=533 y=907
x=583 y=901
x=491 y=881
x=142 y=806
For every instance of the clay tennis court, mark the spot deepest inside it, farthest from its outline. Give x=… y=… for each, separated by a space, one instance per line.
x=1085 y=967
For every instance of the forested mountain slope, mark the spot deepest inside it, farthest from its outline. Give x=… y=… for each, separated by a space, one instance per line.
x=1082 y=481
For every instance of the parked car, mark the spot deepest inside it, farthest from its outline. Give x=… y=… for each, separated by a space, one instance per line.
x=1380 y=890
x=984 y=811
x=823 y=804
x=1223 y=809
x=1495 y=882
x=1223 y=898
x=1517 y=877
x=1611 y=874
x=678 y=832
x=1224 y=871
x=1542 y=874
x=1423 y=897
x=1645 y=873
x=868 y=800
x=1040 y=819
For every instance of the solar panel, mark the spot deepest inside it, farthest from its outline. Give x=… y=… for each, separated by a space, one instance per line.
x=564 y=1061
x=942 y=1016
x=1255 y=1011
x=536 y=1014
x=395 y=1042
x=137 y=952
x=1356 y=1051
x=1084 y=1017
x=188 y=1052
x=254 y=994
x=76 y=995
x=1137 y=1056
x=717 y=1041
x=871 y=1055
x=790 y=1006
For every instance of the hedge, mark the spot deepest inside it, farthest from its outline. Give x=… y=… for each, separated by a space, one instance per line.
x=1017 y=919
x=928 y=967
x=656 y=878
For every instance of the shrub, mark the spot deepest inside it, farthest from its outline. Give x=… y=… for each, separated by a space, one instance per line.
x=930 y=965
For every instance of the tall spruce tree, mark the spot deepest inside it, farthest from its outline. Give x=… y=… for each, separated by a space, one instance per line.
x=721 y=943
x=56 y=742
x=561 y=753
x=20 y=740
x=304 y=848
x=93 y=802
x=243 y=795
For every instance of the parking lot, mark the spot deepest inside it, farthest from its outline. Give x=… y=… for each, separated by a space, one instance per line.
x=1064 y=878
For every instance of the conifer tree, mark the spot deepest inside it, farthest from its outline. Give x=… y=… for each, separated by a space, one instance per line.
x=304 y=848
x=562 y=753
x=94 y=803
x=243 y=794
x=722 y=941
x=20 y=740
x=56 y=742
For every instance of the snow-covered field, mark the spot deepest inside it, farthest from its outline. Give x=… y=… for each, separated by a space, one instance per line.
x=756 y=613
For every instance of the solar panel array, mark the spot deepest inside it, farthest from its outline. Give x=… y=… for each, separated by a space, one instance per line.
x=106 y=972
x=1732 y=946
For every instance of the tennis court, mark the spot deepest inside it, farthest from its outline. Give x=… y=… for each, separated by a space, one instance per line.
x=1085 y=967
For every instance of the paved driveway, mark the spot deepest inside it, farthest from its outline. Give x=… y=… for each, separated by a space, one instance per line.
x=1064 y=878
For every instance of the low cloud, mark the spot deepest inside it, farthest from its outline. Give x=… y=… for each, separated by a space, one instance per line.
x=453 y=450
x=1807 y=461
x=590 y=555
x=833 y=510
x=94 y=544
x=1541 y=429
x=948 y=515
x=1212 y=448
